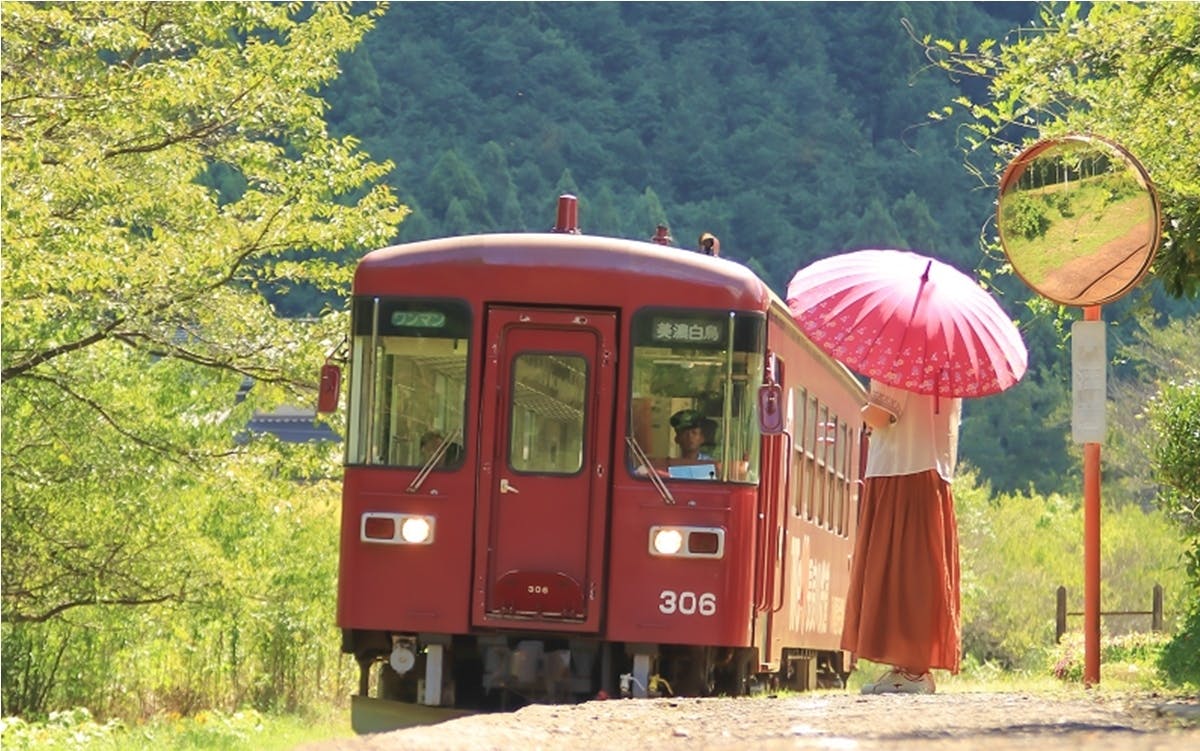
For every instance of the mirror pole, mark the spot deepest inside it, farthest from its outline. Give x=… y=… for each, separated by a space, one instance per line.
x=1091 y=549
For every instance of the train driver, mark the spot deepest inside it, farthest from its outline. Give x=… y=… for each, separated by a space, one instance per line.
x=692 y=431
x=430 y=442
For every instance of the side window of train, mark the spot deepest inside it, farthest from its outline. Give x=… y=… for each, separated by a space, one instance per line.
x=694 y=390
x=408 y=380
x=799 y=455
x=809 y=447
x=845 y=454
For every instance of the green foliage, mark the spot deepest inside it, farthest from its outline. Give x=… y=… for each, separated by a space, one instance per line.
x=1131 y=659
x=254 y=628
x=163 y=166
x=1126 y=71
x=1156 y=448
x=206 y=731
x=1018 y=549
x=1175 y=415
x=744 y=120
x=1026 y=217
x=1018 y=440
x=1180 y=660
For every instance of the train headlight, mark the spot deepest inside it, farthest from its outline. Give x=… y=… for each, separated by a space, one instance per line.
x=396 y=529
x=416 y=530
x=667 y=541
x=687 y=542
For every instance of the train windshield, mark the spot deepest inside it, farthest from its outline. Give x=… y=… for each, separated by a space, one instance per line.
x=693 y=404
x=409 y=365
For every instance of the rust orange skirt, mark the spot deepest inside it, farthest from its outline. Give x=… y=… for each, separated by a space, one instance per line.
x=903 y=604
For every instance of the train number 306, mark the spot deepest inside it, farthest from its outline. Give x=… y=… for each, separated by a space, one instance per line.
x=687 y=603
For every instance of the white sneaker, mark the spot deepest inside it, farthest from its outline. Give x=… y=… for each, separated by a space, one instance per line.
x=896 y=681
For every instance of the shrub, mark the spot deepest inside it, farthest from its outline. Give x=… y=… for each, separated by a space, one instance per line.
x=1180 y=659
x=1129 y=658
x=1024 y=217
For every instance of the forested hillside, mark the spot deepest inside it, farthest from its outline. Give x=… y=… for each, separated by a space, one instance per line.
x=791 y=131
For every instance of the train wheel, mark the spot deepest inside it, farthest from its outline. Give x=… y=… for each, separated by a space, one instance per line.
x=397 y=687
x=732 y=676
x=689 y=670
x=832 y=671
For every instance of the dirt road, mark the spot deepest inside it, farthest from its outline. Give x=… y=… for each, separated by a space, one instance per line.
x=945 y=722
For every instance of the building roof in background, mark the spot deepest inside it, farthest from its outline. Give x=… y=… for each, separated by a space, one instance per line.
x=292 y=424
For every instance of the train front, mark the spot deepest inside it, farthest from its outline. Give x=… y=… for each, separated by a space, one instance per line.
x=552 y=486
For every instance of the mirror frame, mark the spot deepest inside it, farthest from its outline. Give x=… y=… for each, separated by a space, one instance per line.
x=1016 y=168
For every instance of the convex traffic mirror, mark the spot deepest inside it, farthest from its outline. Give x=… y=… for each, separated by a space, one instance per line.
x=1078 y=219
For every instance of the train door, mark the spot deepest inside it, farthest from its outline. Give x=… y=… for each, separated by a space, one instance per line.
x=547 y=412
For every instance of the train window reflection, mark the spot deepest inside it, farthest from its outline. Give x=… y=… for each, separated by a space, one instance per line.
x=409 y=365
x=694 y=386
x=549 y=394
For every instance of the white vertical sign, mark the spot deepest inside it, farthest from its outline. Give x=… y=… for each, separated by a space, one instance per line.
x=1089 y=386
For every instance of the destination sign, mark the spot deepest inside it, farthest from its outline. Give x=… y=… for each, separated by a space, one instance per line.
x=419 y=319
x=686 y=331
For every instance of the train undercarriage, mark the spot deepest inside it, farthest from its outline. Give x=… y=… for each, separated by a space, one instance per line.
x=408 y=679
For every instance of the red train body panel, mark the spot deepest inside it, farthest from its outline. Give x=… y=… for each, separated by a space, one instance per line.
x=554 y=545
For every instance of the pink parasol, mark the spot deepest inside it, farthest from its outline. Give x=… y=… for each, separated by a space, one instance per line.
x=909 y=321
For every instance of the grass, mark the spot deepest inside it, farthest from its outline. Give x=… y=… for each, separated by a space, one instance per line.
x=76 y=730
x=1128 y=664
x=1091 y=225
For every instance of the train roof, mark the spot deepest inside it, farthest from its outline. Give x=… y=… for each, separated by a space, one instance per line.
x=577 y=269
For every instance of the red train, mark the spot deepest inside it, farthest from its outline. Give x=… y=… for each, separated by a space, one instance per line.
x=582 y=466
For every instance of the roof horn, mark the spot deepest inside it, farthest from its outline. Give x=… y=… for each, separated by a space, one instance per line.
x=567 y=221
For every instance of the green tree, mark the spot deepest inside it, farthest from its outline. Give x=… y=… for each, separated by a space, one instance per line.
x=651 y=211
x=132 y=305
x=1174 y=450
x=876 y=229
x=452 y=180
x=1018 y=439
x=1154 y=357
x=1126 y=71
x=497 y=182
x=916 y=224
x=566 y=184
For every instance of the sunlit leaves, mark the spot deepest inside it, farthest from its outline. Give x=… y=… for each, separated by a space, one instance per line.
x=1128 y=71
x=162 y=164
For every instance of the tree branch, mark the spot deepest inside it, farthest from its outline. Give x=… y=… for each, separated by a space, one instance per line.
x=20 y=617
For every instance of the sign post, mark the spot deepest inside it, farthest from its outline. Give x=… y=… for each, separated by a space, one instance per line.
x=1080 y=222
x=1088 y=392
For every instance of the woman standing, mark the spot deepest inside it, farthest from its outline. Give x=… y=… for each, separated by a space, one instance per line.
x=903 y=604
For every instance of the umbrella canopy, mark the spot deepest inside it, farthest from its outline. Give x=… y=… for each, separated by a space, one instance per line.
x=909 y=321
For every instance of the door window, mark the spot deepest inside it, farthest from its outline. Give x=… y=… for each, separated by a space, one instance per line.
x=546 y=425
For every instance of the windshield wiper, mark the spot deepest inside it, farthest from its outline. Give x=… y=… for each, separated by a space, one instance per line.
x=432 y=461
x=651 y=472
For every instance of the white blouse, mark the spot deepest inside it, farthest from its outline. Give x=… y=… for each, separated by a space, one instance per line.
x=924 y=434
